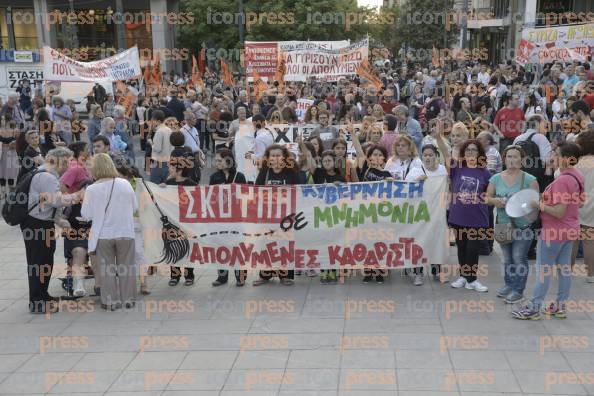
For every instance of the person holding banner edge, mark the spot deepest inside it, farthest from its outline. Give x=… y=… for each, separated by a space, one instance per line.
x=227 y=174
x=277 y=169
x=370 y=166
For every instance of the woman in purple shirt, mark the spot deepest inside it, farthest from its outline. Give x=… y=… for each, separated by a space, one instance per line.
x=468 y=215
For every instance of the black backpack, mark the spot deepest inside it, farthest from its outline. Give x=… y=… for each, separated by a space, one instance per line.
x=533 y=164
x=432 y=109
x=16 y=207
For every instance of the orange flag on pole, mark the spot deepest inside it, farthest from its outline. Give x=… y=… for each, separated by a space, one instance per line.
x=147 y=77
x=280 y=73
x=227 y=77
x=434 y=58
x=259 y=86
x=196 y=79
x=156 y=71
x=202 y=60
x=125 y=97
x=364 y=70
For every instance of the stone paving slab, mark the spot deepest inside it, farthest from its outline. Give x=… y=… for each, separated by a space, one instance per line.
x=309 y=339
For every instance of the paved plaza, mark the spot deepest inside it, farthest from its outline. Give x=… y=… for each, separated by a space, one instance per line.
x=307 y=339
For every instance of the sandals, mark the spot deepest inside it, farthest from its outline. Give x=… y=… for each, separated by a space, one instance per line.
x=189 y=282
x=240 y=283
x=173 y=281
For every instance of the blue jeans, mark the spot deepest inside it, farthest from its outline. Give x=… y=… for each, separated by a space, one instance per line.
x=159 y=172
x=549 y=255
x=515 y=260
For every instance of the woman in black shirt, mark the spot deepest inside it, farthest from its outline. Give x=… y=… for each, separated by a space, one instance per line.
x=227 y=174
x=370 y=167
x=277 y=169
x=180 y=166
x=370 y=164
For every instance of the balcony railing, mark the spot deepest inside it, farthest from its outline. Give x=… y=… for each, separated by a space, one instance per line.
x=498 y=8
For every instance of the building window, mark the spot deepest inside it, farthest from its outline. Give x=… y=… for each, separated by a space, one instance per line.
x=4 y=42
x=25 y=29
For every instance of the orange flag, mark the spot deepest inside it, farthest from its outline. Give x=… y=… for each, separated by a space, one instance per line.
x=227 y=77
x=365 y=71
x=434 y=58
x=202 y=60
x=125 y=97
x=280 y=73
x=259 y=86
x=147 y=75
x=156 y=71
x=196 y=79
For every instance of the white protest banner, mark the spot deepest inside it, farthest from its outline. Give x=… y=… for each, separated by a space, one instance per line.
x=262 y=56
x=562 y=43
x=389 y=224
x=302 y=64
x=302 y=106
x=120 y=67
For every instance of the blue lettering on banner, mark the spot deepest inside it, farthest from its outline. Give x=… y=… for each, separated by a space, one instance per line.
x=382 y=190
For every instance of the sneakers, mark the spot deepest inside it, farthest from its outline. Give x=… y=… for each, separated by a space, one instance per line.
x=259 y=282
x=590 y=279
x=332 y=278
x=418 y=280
x=555 y=310
x=458 y=283
x=379 y=279
x=324 y=278
x=526 y=313
x=311 y=273
x=367 y=278
x=477 y=286
x=79 y=287
x=514 y=297
x=504 y=291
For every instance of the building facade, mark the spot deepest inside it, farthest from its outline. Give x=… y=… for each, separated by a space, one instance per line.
x=497 y=24
x=85 y=31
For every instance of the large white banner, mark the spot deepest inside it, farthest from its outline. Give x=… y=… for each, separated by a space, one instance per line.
x=262 y=56
x=330 y=64
x=391 y=224
x=562 y=43
x=122 y=66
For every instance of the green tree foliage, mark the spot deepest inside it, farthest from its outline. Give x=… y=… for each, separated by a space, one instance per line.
x=216 y=23
x=422 y=23
x=416 y=24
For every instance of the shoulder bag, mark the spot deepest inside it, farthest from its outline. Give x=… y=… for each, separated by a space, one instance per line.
x=504 y=233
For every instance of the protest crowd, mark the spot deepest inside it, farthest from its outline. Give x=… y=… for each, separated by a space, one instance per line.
x=493 y=130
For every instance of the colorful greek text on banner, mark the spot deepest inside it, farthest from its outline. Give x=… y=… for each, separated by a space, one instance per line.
x=390 y=224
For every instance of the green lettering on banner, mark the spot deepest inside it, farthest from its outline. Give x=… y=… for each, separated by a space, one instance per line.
x=351 y=220
x=403 y=214
x=422 y=213
x=323 y=216
x=339 y=214
x=399 y=213
x=370 y=211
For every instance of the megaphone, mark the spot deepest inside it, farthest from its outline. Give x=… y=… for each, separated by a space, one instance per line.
x=519 y=205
